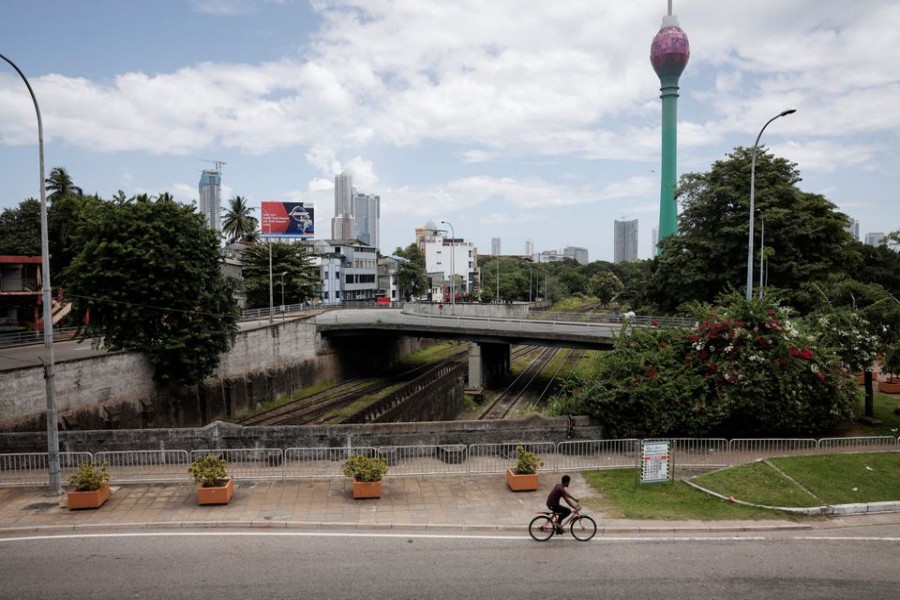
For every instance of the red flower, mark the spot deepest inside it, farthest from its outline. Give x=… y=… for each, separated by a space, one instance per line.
x=821 y=376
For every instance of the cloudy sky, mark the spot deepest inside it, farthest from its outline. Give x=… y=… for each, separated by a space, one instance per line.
x=518 y=119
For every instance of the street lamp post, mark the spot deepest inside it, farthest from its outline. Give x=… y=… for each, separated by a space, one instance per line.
x=752 y=207
x=452 y=263
x=271 y=287
x=498 y=279
x=529 y=282
x=762 y=252
x=52 y=432
x=282 y=293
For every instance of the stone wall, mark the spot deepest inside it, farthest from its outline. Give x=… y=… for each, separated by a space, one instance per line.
x=118 y=391
x=533 y=428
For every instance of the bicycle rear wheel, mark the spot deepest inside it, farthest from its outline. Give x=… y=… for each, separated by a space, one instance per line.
x=583 y=528
x=541 y=528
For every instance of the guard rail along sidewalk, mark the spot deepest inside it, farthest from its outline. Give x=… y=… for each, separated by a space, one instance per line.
x=142 y=466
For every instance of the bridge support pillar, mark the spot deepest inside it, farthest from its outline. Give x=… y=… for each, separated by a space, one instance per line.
x=476 y=376
x=488 y=364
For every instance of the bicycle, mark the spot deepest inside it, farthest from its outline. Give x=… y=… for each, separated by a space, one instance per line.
x=542 y=527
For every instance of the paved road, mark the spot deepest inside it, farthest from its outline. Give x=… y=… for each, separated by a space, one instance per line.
x=241 y=564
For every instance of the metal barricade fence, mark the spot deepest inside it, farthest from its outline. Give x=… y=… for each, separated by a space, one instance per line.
x=596 y=454
x=249 y=463
x=425 y=460
x=321 y=463
x=496 y=458
x=743 y=451
x=692 y=453
x=135 y=466
x=858 y=444
x=32 y=468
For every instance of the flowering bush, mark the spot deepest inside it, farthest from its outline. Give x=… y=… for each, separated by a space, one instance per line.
x=744 y=369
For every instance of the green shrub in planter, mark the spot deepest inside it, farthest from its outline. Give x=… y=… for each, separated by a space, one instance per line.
x=89 y=478
x=528 y=462
x=365 y=468
x=209 y=471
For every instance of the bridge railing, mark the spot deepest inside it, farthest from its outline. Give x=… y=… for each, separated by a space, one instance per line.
x=138 y=466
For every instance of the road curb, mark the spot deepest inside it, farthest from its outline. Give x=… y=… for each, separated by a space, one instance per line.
x=287 y=525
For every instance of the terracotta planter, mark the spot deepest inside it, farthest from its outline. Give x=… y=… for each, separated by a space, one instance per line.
x=366 y=489
x=216 y=495
x=522 y=483
x=889 y=387
x=76 y=500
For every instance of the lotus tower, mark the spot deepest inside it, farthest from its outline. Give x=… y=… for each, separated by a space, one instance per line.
x=669 y=55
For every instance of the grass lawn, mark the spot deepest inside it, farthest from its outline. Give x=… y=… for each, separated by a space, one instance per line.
x=847 y=478
x=623 y=496
x=803 y=481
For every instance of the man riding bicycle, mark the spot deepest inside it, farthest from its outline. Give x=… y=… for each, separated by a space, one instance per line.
x=553 y=501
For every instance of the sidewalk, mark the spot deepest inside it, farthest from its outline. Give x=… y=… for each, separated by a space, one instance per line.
x=451 y=503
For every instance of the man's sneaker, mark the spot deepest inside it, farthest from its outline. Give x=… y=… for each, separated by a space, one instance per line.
x=559 y=529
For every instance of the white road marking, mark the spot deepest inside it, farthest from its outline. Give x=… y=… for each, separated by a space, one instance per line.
x=435 y=536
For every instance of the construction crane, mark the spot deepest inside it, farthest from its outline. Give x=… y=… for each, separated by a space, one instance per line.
x=218 y=163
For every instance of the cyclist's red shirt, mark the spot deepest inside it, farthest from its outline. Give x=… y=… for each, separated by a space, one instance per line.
x=556 y=494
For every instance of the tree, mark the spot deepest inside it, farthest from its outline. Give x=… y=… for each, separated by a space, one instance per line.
x=411 y=274
x=20 y=229
x=300 y=281
x=805 y=234
x=147 y=275
x=605 y=286
x=745 y=370
x=238 y=223
x=60 y=185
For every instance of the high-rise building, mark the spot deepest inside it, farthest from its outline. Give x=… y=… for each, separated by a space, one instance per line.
x=211 y=197
x=343 y=194
x=367 y=213
x=495 y=246
x=529 y=248
x=356 y=216
x=579 y=255
x=874 y=238
x=625 y=241
x=853 y=229
x=654 y=249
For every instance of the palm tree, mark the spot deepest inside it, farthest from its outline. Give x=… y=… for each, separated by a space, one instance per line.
x=61 y=185
x=238 y=223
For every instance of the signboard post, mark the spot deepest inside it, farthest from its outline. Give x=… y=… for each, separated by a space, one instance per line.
x=654 y=462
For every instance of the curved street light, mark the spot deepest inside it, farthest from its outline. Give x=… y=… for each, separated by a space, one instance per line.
x=52 y=432
x=784 y=113
x=452 y=263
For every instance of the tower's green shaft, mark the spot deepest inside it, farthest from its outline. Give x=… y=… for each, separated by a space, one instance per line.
x=668 y=211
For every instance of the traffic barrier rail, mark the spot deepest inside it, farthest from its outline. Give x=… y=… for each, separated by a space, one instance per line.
x=578 y=455
x=497 y=458
x=319 y=463
x=33 y=468
x=249 y=463
x=137 y=466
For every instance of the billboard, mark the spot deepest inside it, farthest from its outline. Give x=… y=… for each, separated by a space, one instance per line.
x=287 y=219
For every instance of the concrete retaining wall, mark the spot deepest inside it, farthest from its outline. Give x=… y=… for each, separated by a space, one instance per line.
x=118 y=391
x=225 y=435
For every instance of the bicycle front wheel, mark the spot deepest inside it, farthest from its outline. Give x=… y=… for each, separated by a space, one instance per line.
x=541 y=528
x=583 y=528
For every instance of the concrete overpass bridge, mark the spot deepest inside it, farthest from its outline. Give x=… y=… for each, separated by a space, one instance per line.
x=491 y=337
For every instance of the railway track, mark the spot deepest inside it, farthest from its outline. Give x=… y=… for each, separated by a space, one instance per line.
x=567 y=366
x=504 y=402
x=317 y=407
